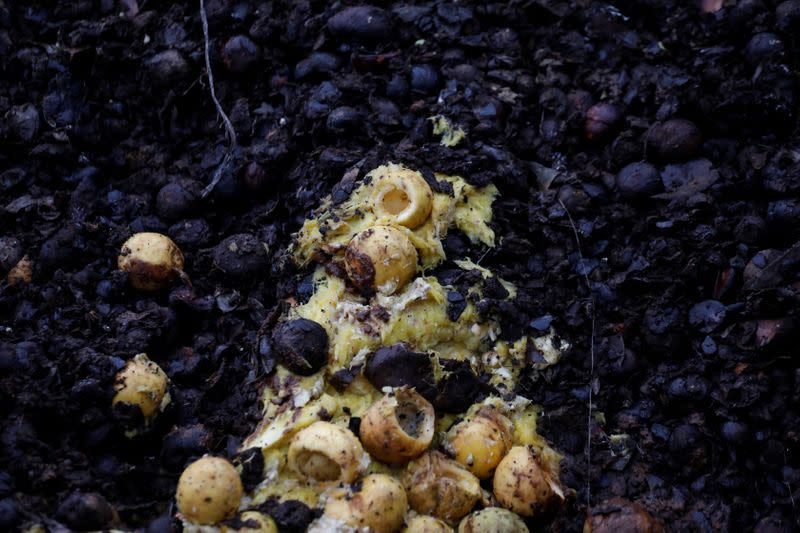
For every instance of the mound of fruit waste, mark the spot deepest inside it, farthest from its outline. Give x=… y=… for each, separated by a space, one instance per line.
x=486 y=266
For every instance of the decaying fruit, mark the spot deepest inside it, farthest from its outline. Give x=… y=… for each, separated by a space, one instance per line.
x=209 y=490
x=481 y=442
x=381 y=258
x=492 y=520
x=398 y=427
x=524 y=485
x=326 y=452
x=379 y=504
x=617 y=514
x=141 y=383
x=151 y=260
x=441 y=487
x=401 y=195
x=426 y=524
x=301 y=345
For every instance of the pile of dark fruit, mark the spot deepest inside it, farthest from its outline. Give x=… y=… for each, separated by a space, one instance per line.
x=662 y=136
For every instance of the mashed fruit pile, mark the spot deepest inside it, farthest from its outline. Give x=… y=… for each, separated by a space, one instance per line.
x=393 y=407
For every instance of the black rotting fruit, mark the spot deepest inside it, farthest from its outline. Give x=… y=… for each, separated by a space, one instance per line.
x=673 y=141
x=184 y=444
x=360 y=23
x=241 y=255
x=240 y=54
x=85 y=511
x=178 y=199
x=617 y=515
x=251 y=461
x=638 y=181
x=167 y=67
x=764 y=47
x=398 y=366
x=344 y=119
x=301 y=345
x=602 y=121
x=459 y=387
x=292 y=516
x=424 y=79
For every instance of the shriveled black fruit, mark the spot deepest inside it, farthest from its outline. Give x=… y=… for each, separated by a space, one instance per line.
x=397 y=366
x=85 y=511
x=459 y=388
x=360 y=23
x=252 y=463
x=301 y=345
x=240 y=54
x=178 y=199
x=602 y=121
x=241 y=255
x=618 y=514
x=183 y=444
x=292 y=516
x=674 y=141
x=167 y=67
x=764 y=47
x=639 y=180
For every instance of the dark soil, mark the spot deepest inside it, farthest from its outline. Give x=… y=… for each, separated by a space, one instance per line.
x=688 y=269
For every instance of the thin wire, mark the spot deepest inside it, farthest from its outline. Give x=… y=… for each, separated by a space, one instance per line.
x=229 y=131
x=591 y=366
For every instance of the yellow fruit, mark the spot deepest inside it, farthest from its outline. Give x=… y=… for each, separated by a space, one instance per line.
x=441 y=487
x=523 y=485
x=141 y=383
x=398 y=427
x=401 y=195
x=326 y=452
x=426 y=524
x=209 y=491
x=151 y=260
x=480 y=443
x=380 y=258
x=380 y=504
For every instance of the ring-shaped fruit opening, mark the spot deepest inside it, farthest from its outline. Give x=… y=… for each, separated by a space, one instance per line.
x=412 y=420
x=394 y=201
x=318 y=466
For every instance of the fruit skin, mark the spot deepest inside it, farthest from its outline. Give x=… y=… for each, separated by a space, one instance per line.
x=401 y=195
x=602 y=121
x=618 y=514
x=380 y=258
x=441 y=487
x=151 y=260
x=326 y=452
x=639 y=181
x=398 y=365
x=426 y=524
x=382 y=433
x=209 y=491
x=380 y=504
x=141 y=383
x=492 y=520
x=523 y=485
x=673 y=141
x=301 y=345
x=481 y=442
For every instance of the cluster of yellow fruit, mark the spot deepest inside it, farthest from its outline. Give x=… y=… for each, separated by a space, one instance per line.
x=371 y=480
